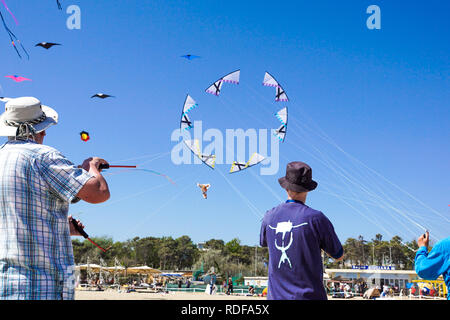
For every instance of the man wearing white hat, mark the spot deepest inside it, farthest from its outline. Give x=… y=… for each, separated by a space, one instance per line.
x=37 y=183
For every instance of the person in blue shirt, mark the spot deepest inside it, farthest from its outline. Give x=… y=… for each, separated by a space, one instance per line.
x=295 y=235
x=430 y=265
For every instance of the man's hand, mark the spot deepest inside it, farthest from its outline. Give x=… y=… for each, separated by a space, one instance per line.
x=95 y=189
x=92 y=164
x=73 y=231
x=424 y=240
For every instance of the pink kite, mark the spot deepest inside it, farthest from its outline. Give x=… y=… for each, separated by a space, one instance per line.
x=18 y=79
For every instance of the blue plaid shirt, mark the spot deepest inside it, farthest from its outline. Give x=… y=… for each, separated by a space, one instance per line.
x=37 y=183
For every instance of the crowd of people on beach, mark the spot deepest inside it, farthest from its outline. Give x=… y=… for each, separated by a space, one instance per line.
x=349 y=289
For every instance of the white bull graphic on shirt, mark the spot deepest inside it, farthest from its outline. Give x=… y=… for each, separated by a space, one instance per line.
x=285 y=227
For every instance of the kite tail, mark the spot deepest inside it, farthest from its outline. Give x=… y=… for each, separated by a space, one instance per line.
x=4 y=3
x=159 y=174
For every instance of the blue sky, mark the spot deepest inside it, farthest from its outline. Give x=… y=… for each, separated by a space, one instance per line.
x=381 y=95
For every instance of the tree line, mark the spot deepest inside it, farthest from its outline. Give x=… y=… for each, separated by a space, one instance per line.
x=231 y=258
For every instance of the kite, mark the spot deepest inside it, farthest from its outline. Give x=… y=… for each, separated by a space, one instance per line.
x=254 y=160
x=102 y=96
x=84 y=136
x=18 y=78
x=186 y=123
x=232 y=77
x=282 y=115
x=47 y=45
x=190 y=57
x=194 y=146
x=13 y=38
x=204 y=188
x=269 y=81
x=189 y=104
x=59 y=4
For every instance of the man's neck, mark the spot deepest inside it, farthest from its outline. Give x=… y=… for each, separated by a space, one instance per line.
x=301 y=199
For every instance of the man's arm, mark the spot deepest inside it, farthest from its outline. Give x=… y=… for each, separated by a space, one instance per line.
x=340 y=258
x=262 y=235
x=429 y=265
x=95 y=190
x=329 y=241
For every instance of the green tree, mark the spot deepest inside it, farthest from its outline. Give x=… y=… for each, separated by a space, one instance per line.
x=186 y=252
x=215 y=244
x=233 y=249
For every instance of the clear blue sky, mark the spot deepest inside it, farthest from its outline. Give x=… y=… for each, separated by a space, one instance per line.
x=382 y=95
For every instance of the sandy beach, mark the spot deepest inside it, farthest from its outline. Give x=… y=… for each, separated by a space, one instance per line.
x=143 y=295
x=148 y=295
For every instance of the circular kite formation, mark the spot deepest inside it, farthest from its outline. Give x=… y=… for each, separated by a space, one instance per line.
x=215 y=89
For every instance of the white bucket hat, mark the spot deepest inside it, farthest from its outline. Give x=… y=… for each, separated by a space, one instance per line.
x=24 y=115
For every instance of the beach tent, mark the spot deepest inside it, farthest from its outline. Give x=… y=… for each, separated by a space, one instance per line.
x=93 y=267
x=142 y=270
x=115 y=269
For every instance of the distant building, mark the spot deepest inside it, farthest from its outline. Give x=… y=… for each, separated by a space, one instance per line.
x=373 y=276
x=201 y=246
x=256 y=281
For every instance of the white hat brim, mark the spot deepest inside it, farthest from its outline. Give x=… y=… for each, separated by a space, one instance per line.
x=52 y=119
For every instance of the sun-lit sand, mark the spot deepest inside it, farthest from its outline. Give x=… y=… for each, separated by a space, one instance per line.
x=142 y=295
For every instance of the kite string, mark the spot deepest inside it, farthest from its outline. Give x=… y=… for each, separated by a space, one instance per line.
x=171 y=200
x=374 y=181
x=13 y=37
x=330 y=166
x=266 y=186
x=380 y=200
x=259 y=177
x=351 y=179
x=342 y=173
x=251 y=206
x=153 y=156
x=385 y=198
x=271 y=189
x=327 y=139
x=366 y=208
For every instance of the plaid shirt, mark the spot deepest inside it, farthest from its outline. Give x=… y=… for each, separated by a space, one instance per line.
x=37 y=183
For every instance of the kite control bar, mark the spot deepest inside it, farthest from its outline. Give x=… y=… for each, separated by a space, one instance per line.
x=84 y=234
x=107 y=166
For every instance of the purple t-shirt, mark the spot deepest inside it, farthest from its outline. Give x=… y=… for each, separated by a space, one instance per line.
x=295 y=235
